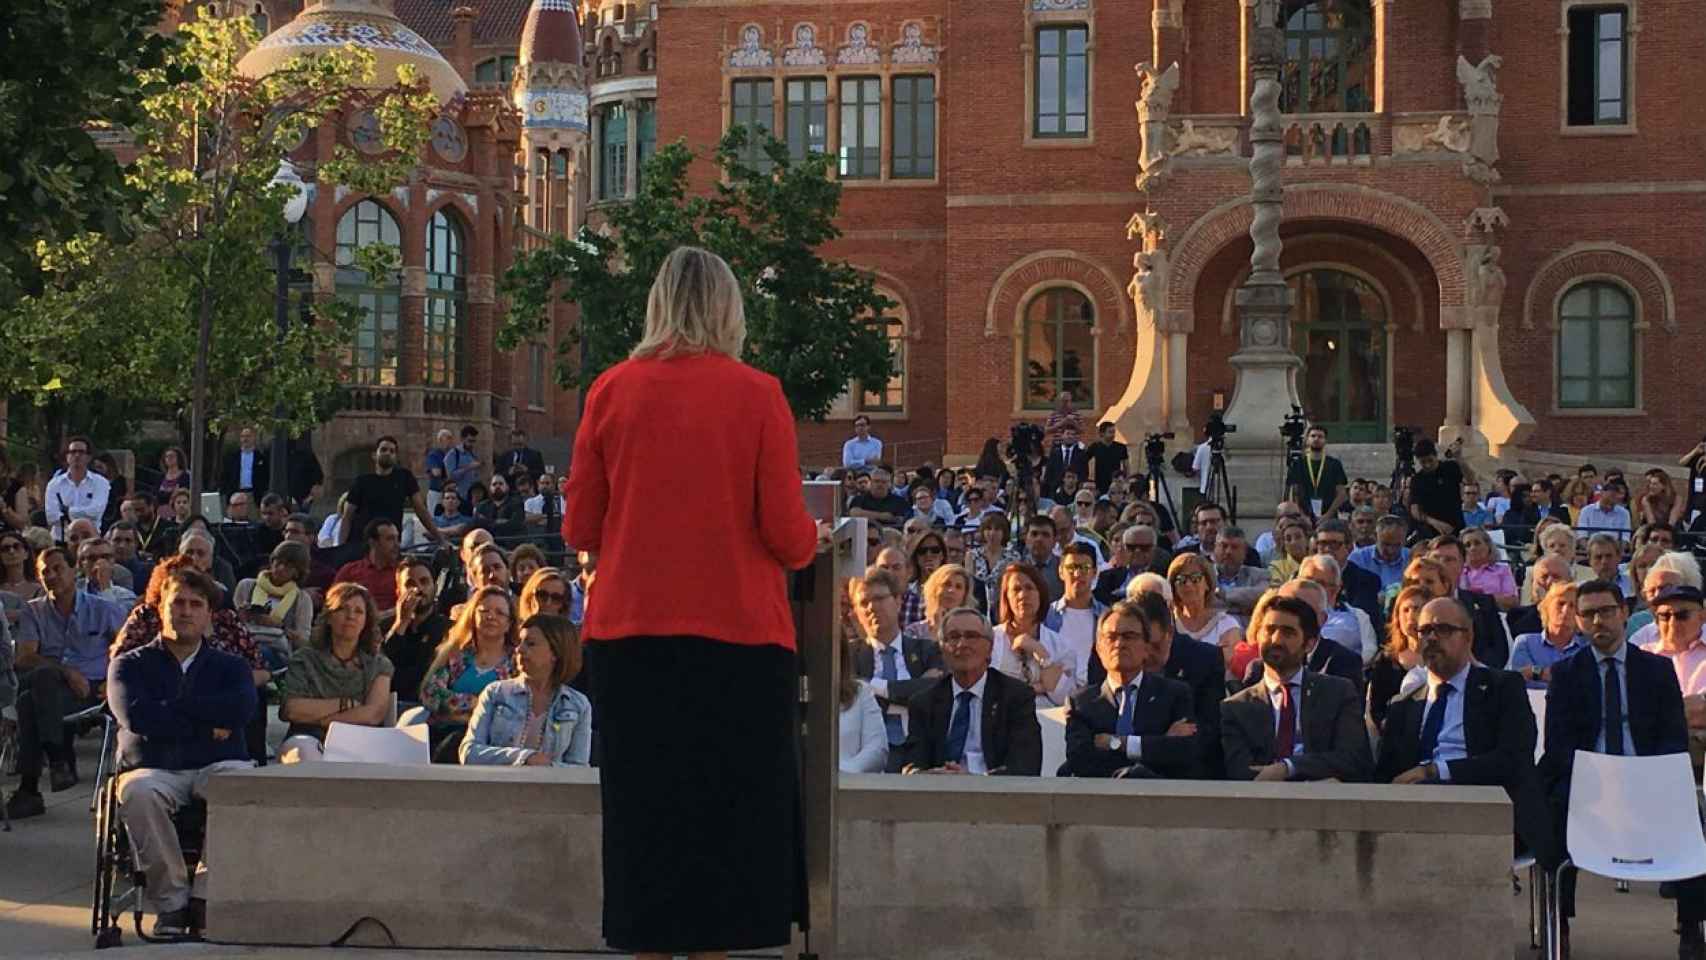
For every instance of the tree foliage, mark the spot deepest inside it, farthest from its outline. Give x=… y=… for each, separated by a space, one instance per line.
x=173 y=306
x=66 y=67
x=809 y=319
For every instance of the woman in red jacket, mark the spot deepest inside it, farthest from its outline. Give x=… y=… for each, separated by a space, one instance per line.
x=689 y=634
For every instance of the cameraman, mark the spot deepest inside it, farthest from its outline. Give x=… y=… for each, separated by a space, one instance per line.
x=1315 y=481
x=1108 y=458
x=1436 y=492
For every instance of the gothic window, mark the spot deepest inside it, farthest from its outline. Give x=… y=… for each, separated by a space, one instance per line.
x=861 y=128
x=1596 y=347
x=914 y=127
x=1329 y=57
x=372 y=357
x=258 y=17
x=613 y=152
x=807 y=120
x=1062 y=107
x=648 y=60
x=1058 y=349
x=1598 y=67
x=446 y=308
x=889 y=396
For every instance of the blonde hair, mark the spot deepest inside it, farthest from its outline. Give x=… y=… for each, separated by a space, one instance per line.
x=695 y=307
x=935 y=584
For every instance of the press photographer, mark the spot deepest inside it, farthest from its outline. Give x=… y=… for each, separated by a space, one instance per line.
x=1315 y=481
x=1436 y=501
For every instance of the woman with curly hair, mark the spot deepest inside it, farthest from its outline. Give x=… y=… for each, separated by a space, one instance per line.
x=475 y=653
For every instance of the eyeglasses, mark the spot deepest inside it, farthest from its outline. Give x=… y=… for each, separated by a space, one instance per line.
x=1188 y=578
x=964 y=636
x=1440 y=630
x=1126 y=636
x=1079 y=568
x=554 y=596
x=1680 y=616
x=1140 y=547
x=928 y=551
x=1597 y=613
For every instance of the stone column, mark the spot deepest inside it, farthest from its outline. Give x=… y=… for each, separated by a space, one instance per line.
x=411 y=334
x=1266 y=368
x=1167 y=24
x=631 y=178
x=595 y=147
x=1456 y=378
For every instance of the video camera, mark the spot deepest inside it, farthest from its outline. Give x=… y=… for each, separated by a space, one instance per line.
x=1026 y=442
x=1217 y=429
x=1292 y=429
x=1404 y=445
x=1155 y=450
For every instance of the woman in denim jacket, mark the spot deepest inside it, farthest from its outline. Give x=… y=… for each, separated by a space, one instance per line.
x=534 y=719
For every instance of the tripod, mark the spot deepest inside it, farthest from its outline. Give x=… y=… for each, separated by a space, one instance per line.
x=1159 y=492
x=1219 y=487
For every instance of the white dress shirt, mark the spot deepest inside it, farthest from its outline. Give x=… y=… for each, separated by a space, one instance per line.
x=1005 y=660
x=1451 y=745
x=1078 y=636
x=85 y=500
x=880 y=685
x=1295 y=682
x=864 y=741
x=975 y=762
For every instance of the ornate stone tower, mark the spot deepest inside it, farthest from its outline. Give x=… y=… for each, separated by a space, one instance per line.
x=550 y=91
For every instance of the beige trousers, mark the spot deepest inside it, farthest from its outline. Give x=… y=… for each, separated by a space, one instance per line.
x=147 y=800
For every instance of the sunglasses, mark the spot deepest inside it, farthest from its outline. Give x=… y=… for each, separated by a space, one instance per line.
x=1188 y=578
x=929 y=551
x=554 y=596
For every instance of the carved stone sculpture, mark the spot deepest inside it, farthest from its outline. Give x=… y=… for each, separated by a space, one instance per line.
x=751 y=52
x=1485 y=220
x=1267 y=185
x=1148 y=287
x=1486 y=285
x=1148 y=225
x=805 y=52
x=1154 y=101
x=1451 y=134
x=1481 y=95
x=1192 y=140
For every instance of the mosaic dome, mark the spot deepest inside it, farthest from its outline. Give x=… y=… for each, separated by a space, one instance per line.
x=328 y=25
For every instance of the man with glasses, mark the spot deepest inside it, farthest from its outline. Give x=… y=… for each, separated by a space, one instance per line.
x=897 y=667
x=1617 y=699
x=954 y=542
x=95 y=574
x=1293 y=723
x=1240 y=584
x=586 y=571
x=973 y=720
x=879 y=503
x=1677 y=613
x=1357 y=587
x=77 y=491
x=416 y=628
x=1345 y=625
x=1136 y=551
x=861 y=449
x=1387 y=557
x=1136 y=724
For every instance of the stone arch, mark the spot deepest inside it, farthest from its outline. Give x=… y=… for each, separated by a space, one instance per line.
x=1013 y=289
x=1597 y=260
x=897 y=289
x=1396 y=215
x=1229 y=310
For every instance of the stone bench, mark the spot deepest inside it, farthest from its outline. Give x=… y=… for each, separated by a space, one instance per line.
x=929 y=867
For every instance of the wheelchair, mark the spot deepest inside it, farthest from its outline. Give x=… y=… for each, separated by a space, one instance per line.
x=119 y=881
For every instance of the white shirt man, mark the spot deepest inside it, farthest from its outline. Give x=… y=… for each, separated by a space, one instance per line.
x=1606 y=514
x=862 y=449
x=1200 y=462
x=76 y=491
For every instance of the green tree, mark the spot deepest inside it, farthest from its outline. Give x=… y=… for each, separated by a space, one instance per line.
x=810 y=321
x=66 y=67
x=174 y=307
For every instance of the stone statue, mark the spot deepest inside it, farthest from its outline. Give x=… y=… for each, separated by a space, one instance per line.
x=1189 y=139
x=1148 y=225
x=1148 y=287
x=1487 y=286
x=1481 y=95
x=1451 y=134
x=751 y=52
x=1154 y=101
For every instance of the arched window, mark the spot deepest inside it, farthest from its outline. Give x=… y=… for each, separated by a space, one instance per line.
x=1596 y=347
x=1329 y=57
x=1058 y=349
x=446 y=299
x=890 y=395
x=648 y=60
x=258 y=17
x=372 y=358
x=613 y=152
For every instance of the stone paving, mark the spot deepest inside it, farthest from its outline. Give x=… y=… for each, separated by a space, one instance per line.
x=46 y=866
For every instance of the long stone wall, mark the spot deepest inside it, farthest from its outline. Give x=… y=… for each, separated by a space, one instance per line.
x=929 y=867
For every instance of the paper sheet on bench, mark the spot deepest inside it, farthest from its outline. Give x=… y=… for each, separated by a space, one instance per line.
x=352 y=743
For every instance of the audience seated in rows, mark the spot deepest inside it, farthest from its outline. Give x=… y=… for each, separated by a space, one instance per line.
x=339 y=676
x=974 y=719
x=534 y=718
x=273 y=604
x=1137 y=723
x=476 y=651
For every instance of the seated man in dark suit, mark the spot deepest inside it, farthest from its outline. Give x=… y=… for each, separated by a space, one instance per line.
x=897 y=668
x=1357 y=586
x=1199 y=666
x=1469 y=724
x=1136 y=723
x=1322 y=655
x=1138 y=551
x=1294 y=723
x=1492 y=647
x=1615 y=698
x=974 y=720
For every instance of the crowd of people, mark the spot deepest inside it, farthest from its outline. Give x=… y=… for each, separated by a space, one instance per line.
x=185 y=629
x=1384 y=633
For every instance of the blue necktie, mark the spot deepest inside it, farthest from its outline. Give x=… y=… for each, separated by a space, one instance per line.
x=958 y=729
x=890 y=673
x=1613 y=710
x=1128 y=707
x=1434 y=722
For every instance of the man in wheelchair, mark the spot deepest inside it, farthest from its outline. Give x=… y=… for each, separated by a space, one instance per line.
x=181 y=707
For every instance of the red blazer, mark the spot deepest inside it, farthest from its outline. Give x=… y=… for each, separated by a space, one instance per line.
x=685 y=483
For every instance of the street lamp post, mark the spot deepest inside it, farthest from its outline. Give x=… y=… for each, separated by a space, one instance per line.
x=294 y=209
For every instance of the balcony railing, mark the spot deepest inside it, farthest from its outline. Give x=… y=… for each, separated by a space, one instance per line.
x=1330 y=138
x=421 y=401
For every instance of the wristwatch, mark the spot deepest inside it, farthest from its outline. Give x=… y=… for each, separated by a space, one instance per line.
x=1116 y=743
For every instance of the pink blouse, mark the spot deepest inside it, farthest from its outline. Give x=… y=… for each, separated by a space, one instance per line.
x=1494 y=580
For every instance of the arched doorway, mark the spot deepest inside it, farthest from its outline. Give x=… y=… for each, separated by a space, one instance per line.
x=1338 y=329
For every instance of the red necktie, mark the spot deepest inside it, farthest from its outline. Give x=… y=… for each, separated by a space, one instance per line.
x=1285 y=739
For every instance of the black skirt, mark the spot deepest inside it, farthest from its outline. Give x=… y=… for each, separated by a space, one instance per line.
x=703 y=842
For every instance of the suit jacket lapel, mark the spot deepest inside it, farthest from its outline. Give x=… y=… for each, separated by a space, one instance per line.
x=1265 y=731
x=1475 y=733
x=992 y=725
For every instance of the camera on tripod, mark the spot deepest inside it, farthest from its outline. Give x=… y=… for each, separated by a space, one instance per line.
x=1404 y=445
x=1217 y=430
x=1155 y=450
x=1026 y=442
x=1292 y=429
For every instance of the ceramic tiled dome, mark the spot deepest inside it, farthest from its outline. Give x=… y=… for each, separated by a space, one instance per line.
x=328 y=25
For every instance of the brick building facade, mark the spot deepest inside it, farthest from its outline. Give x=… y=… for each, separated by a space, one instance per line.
x=1507 y=249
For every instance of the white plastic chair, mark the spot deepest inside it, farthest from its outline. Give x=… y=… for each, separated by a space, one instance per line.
x=1631 y=818
x=1537 y=706
x=1053 y=723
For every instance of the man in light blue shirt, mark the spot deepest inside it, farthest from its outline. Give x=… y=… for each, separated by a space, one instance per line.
x=1607 y=514
x=1387 y=556
x=862 y=449
x=462 y=463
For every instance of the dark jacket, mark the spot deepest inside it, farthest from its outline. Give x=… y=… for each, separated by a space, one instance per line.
x=1160 y=703
x=1335 y=742
x=528 y=457
x=1524 y=619
x=1057 y=463
x=1491 y=645
x=1202 y=668
x=1361 y=589
x=231 y=476
x=166 y=716
x=1657 y=724
x=1012 y=738
x=1329 y=657
x=411 y=653
x=920 y=655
